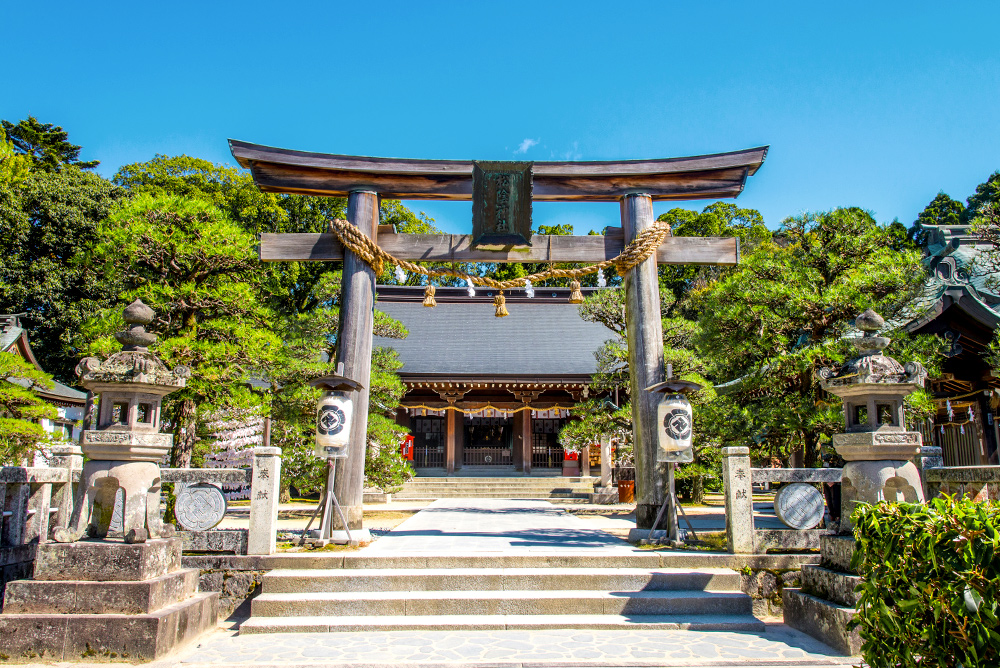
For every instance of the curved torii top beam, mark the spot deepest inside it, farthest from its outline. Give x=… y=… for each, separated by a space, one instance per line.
x=698 y=177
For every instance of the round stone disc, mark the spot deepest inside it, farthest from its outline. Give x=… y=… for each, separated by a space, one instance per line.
x=799 y=506
x=200 y=507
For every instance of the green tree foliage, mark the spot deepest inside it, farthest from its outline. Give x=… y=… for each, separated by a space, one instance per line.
x=720 y=219
x=987 y=194
x=680 y=328
x=46 y=144
x=782 y=314
x=47 y=220
x=942 y=210
x=930 y=583
x=21 y=409
x=198 y=271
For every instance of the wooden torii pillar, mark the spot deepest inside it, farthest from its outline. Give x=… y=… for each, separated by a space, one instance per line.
x=633 y=183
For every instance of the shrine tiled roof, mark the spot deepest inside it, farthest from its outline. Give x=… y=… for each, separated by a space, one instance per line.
x=14 y=340
x=462 y=337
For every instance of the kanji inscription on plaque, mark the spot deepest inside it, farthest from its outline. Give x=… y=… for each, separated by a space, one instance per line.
x=501 y=204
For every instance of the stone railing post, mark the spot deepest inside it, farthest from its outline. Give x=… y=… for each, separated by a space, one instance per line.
x=739 y=499
x=264 y=493
x=605 y=461
x=70 y=459
x=930 y=457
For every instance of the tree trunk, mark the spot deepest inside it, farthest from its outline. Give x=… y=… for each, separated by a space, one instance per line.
x=698 y=490
x=184 y=435
x=811 y=447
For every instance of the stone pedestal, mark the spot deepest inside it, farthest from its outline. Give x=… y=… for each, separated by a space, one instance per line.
x=105 y=600
x=825 y=603
x=873 y=481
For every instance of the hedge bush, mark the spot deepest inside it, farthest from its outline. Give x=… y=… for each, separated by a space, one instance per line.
x=931 y=583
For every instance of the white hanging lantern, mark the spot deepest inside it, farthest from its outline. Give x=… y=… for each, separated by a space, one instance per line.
x=674 y=421
x=334 y=416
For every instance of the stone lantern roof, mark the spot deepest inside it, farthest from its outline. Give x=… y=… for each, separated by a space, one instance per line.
x=871 y=366
x=134 y=366
x=873 y=387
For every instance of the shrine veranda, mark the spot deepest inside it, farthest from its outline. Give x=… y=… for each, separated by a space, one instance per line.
x=502 y=194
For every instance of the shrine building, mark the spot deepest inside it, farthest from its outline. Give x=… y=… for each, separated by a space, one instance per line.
x=490 y=394
x=960 y=302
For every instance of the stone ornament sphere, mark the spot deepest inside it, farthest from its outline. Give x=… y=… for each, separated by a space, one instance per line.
x=799 y=506
x=200 y=507
x=138 y=313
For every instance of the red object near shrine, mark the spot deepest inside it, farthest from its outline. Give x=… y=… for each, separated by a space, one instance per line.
x=571 y=456
x=406 y=448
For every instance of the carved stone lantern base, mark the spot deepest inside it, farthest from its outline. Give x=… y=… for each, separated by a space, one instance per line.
x=877 y=445
x=140 y=486
x=874 y=481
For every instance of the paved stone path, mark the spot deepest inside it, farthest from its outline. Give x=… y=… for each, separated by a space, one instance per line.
x=509 y=526
x=780 y=646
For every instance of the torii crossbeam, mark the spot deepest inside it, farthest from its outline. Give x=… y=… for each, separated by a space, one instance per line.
x=633 y=183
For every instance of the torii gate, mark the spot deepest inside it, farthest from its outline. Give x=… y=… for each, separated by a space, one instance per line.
x=633 y=183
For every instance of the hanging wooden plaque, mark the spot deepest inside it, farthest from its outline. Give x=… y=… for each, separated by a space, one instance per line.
x=501 y=205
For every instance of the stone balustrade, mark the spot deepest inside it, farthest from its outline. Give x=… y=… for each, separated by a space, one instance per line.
x=977 y=482
x=741 y=534
x=36 y=500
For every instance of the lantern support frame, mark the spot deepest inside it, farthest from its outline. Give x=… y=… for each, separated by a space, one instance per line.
x=683 y=387
x=338 y=384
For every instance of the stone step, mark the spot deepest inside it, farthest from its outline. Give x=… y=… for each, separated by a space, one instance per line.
x=458 y=477
x=836 y=552
x=500 y=579
x=479 y=489
x=536 y=497
x=108 y=560
x=824 y=620
x=485 y=492
x=831 y=585
x=320 y=624
x=479 y=602
x=132 y=638
x=87 y=597
x=473 y=489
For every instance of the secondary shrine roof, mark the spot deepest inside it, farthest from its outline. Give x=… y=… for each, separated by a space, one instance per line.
x=461 y=336
x=14 y=339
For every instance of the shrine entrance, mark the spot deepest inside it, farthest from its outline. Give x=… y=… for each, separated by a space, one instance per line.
x=502 y=195
x=489 y=441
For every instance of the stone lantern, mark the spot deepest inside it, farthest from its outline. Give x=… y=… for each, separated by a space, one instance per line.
x=876 y=445
x=125 y=448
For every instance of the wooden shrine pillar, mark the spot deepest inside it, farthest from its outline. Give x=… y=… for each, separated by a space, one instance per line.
x=645 y=361
x=354 y=349
x=526 y=444
x=451 y=440
x=517 y=449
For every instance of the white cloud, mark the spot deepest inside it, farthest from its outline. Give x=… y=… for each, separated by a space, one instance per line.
x=525 y=145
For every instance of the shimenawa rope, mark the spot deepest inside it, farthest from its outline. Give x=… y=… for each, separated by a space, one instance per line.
x=644 y=245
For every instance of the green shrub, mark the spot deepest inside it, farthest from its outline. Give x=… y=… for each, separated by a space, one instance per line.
x=931 y=583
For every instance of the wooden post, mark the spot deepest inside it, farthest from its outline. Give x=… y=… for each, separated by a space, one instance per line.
x=518 y=448
x=585 y=461
x=526 y=444
x=645 y=360
x=354 y=349
x=451 y=441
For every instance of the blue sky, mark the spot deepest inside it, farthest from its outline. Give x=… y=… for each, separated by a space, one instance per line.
x=873 y=104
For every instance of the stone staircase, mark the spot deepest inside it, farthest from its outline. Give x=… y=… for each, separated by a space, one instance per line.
x=549 y=488
x=472 y=593
x=827 y=602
